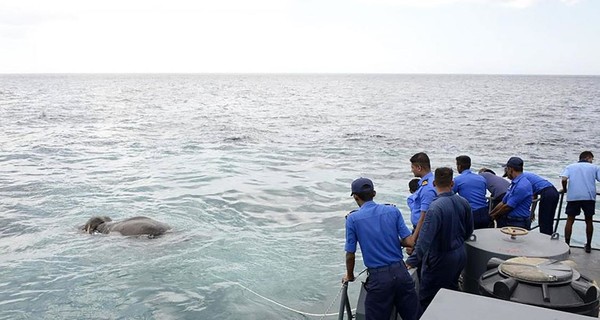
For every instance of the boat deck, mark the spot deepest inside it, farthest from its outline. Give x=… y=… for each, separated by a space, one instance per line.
x=449 y=304
x=588 y=264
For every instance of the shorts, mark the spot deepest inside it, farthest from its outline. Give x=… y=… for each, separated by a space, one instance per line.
x=574 y=207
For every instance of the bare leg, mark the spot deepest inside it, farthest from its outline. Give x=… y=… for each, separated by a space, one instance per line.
x=569 y=228
x=589 y=229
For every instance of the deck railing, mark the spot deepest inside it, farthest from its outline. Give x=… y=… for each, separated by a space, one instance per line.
x=558 y=218
x=345 y=303
x=557 y=215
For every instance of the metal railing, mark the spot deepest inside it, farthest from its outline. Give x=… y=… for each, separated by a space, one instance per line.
x=557 y=215
x=558 y=218
x=345 y=303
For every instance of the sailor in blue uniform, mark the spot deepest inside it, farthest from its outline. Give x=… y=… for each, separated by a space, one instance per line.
x=472 y=187
x=515 y=209
x=440 y=249
x=548 y=200
x=421 y=168
x=381 y=232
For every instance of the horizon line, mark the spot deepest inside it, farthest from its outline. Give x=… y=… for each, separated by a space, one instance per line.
x=300 y=73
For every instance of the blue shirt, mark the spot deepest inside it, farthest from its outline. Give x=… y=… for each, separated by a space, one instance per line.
x=378 y=229
x=537 y=183
x=415 y=213
x=448 y=223
x=519 y=197
x=581 y=177
x=471 y=187
x=425 y=194
x=495 y=184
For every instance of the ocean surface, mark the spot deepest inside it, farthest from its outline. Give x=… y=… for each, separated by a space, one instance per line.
x=252 y=172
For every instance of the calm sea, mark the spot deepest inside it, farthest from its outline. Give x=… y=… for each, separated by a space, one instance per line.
x=251 y=171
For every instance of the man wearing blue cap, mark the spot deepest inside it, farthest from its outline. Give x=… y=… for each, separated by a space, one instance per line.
x=381 y=232
x=515 y=208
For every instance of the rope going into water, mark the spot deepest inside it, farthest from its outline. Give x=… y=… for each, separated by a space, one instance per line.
x=322 y=315
x=291 y=309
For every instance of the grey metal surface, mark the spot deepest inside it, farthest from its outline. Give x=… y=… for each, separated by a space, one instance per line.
x=490 y=243
x=532 y=281
x=449 y=304
x=588 y=264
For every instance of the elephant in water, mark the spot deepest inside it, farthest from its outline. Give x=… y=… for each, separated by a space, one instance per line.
x=129 y=227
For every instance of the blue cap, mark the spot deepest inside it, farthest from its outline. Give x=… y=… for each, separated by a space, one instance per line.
x=515 y=163
x=361 y=185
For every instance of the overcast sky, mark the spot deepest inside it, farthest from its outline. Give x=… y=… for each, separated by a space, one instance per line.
x=308 y=36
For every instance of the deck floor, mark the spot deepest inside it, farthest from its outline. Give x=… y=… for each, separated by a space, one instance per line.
x=588 y=264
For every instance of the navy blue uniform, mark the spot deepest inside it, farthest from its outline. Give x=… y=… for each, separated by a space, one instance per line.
x=440 y=249
x=548 y=200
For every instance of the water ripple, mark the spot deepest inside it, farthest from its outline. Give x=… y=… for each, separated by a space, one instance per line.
x=251 y=171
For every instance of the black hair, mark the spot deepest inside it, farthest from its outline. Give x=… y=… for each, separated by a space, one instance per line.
x=464 y=162
x=489 y=170
x=366 y=195
x=443 y=177
x=586 y=154
x=421 y=159
x=517 y=169
x=413 y=185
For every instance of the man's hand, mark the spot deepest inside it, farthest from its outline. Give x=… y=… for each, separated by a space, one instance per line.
x=410 y=250
x=348 y=278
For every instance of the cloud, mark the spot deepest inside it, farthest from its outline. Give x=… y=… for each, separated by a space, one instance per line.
x=436 y=3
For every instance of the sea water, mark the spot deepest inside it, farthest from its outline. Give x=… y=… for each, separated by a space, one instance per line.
x=252 y=172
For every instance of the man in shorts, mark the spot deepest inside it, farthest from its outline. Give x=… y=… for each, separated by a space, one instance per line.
x=580 y=178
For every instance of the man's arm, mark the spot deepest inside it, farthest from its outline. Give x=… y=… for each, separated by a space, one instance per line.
x=410 y=244
x=431 y=226
x=408 y=241
x=500 y=210
x=564 y=183
x=419 y=225
x=350 y=261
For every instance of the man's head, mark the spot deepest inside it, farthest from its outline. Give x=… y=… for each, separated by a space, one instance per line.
x=443 y=179
x=420 y=165
x=362 y=190
x=513 y=168
x=587 y=156
x=482 y=170
x=463 y=163
x=413 y=185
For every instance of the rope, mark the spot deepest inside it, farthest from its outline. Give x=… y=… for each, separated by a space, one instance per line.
x=288 y=308
x=322 y=315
